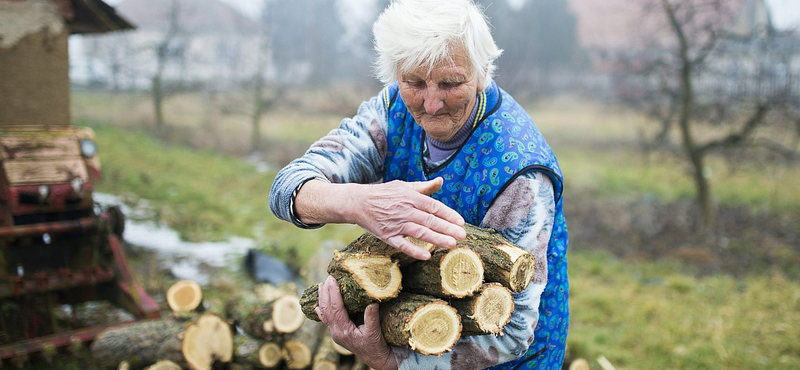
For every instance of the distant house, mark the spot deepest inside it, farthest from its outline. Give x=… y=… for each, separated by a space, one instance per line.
x=205 y=42
x=34 y=62
x=750 y=55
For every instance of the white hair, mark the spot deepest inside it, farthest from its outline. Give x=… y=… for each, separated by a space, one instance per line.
x=413 y=33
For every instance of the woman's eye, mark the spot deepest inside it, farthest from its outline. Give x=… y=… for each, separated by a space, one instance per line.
x=450 y=85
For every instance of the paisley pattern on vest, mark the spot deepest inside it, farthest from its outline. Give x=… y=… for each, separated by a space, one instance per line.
x=503 y=145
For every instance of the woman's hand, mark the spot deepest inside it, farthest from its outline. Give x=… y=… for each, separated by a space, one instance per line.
x=390 y=210
x=365 y=341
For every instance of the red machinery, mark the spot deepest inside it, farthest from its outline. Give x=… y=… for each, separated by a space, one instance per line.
x=57 y=246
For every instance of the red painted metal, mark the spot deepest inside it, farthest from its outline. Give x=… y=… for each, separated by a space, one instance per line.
x=41 y=282
x=82 y=224
x=55 y=341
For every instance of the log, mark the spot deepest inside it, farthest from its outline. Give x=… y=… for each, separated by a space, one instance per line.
x=456 y=273
x=420 y=323
x=326 y=357
x=164 y=365
x=363 y=279
x=267 y=320
x=487 y=312
x=368 y=243
x=300 y=346
x=504 y=262
x=195 y=345
x=185 y=295
x=256 y=353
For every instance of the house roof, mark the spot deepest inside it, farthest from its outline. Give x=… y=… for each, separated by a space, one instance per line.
x=91 y=16
x=195 y=16
x=620 y=24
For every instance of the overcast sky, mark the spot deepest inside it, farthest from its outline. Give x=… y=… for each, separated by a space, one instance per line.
x=785 y=13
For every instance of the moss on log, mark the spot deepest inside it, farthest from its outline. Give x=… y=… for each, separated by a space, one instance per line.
x=368 y=243
x=363 y=279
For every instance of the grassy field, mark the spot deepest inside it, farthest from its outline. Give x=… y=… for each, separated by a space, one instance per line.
x=637 y=314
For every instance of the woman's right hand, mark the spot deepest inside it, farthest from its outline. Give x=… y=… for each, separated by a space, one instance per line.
x=390 y=210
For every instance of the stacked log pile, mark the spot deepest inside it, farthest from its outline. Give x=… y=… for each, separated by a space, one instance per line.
x=428 y=305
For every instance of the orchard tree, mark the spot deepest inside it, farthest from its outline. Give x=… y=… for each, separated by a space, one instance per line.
x=716 y=88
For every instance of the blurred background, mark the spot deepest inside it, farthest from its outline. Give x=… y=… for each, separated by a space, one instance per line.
x=676 y=123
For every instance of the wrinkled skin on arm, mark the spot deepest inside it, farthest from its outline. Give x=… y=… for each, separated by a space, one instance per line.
x=390 y=210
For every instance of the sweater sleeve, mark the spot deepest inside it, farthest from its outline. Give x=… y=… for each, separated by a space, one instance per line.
x=524 y=213
x=353 y=152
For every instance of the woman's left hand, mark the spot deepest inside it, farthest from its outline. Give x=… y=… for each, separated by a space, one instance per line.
x=365 y=341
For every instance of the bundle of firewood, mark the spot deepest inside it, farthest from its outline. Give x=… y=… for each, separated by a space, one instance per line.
x=262 y=329
x=426 y=306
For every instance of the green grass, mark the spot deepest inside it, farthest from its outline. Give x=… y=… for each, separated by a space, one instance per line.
x=658 y=316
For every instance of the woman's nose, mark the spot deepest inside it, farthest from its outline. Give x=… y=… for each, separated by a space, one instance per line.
x=433 y=101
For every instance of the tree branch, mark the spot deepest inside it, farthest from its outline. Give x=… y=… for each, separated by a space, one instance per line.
x=738 y=138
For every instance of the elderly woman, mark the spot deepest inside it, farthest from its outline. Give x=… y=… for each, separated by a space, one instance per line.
x=441 y=145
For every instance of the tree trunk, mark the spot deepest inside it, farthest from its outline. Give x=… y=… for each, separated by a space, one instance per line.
x=257 y=353
x=487 y=312
x=420 y=323
x=364 y=279
x=504 y=262
x=300 y=346
x=265 y=320
x=326 y=357
x=456 y=273
x=194 y=345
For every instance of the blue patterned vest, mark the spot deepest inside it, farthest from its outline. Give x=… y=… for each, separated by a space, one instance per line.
x=503 y=145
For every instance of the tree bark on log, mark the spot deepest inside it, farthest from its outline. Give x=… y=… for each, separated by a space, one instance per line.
x=266 y=320
x=259 y=354
x=420 y=323
x=504 y=262
x=300 y=346
x=456 y=272
x=195 y=345
x=368 y=243
x=363 y=279
x=487 y=312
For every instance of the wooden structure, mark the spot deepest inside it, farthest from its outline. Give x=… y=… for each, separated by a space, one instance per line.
x=56 y=245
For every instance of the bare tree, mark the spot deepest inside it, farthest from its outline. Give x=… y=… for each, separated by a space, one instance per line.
x=693 y=80
x=170 y=48
x=263 y=96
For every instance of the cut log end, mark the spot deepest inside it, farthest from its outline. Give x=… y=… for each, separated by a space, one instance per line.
x=434 y=329
x=522 y=268
x=462 y=272
x=269 y=355
x=164 y=365
x=287 y=315
x=207 y=340
x=493 y=308
x=297 y=354
x=379 y=276
x=184 y=295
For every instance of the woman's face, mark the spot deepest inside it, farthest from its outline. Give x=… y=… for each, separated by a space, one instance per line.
x=442 y=101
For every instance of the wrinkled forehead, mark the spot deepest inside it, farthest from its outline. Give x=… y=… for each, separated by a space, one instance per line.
x=454 y=63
